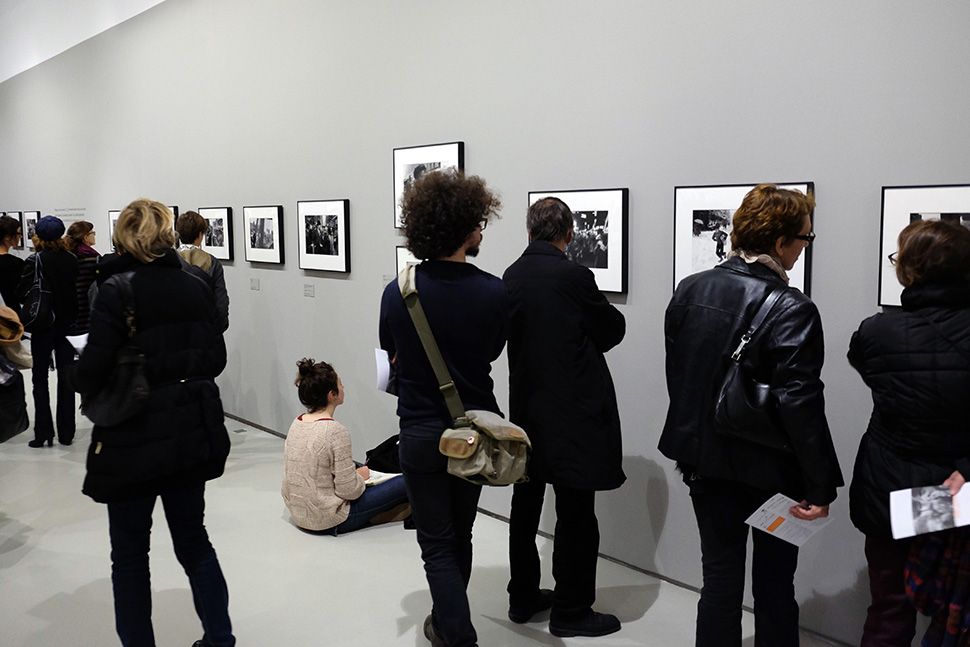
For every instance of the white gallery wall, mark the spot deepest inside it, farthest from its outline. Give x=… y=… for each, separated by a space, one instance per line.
x=221 y=103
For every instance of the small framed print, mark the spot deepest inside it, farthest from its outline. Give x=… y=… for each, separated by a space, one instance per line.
x=405 y=258
x=902 y=205
x=175 y=213
x=323 y=233
x=264 y=234
x=113 y=215
x=600 y=220
x=29 y=227
x=24 y=238
x=412 y=163
x=218 y=238
x=703 y=221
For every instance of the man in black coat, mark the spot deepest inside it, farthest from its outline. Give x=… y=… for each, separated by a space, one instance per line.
x=562 y=394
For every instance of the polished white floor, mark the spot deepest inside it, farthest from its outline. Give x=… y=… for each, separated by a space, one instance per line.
x=364 y=589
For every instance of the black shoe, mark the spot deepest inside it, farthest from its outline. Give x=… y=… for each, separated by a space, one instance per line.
x=68 y=443
x=591 y=624
x=200 y=643
x=39 y=442
x=431 y=634
x=542 y=602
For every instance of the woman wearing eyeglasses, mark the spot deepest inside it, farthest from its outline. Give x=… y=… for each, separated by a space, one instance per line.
x=730 y=477
x=916 y=361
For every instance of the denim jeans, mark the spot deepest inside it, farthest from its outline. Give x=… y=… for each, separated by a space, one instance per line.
x=574 y=555
x=375 y=500
x=42 y=345
x=130 y=524
x=443 y=508
x=721 y=508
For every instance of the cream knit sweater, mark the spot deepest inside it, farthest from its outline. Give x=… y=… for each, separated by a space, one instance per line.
x=319 y=476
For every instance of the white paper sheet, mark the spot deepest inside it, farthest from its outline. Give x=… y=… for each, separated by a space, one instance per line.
x=379 y=477
x=919 y=510
x=383 y=365
x=78 y=342
x=774 y=518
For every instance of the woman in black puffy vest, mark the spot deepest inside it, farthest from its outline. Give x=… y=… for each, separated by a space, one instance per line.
x=916 y=360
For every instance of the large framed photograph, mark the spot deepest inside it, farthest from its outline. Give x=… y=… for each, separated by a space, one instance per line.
x=404 y=257
x=218 y=239
x=19 y=217
x=600 y=239
x=323 y=234
x=264 y=229
x=703 y=218
x=902 y=205
x=412 y=163
x=29 y=226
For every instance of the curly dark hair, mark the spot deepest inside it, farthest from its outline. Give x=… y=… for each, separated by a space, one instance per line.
x=315 y=381
x=441 y=209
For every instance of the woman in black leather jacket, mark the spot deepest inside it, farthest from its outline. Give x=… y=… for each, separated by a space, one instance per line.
x=728 y=477
x=916 y=360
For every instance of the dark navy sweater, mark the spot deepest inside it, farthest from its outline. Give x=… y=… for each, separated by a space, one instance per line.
x=467 y=310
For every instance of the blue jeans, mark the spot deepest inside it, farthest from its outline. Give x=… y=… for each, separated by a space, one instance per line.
x=443 y=508
x=42 y=345
x=130 y=524
x=375 y=500
x=721 y=508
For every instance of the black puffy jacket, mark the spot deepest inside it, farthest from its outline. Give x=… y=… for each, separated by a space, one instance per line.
x=916 y=360
x=180 y=437
x=704 y=322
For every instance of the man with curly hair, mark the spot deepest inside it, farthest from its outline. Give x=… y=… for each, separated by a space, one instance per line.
x=444 y=214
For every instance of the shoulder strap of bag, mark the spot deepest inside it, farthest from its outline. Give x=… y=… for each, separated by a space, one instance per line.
x=407 y=283
x=757 y=320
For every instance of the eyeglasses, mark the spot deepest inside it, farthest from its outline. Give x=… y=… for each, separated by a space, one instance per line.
x=483 y=223
x=892 y=258
x=808 y=238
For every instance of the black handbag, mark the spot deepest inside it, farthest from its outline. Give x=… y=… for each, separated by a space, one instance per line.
x=384 y=457
x=125 y=393
x=744 y=408
x=38 y=310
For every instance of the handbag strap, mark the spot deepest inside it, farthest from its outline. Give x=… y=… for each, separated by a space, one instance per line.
x=757 y=320
x=407 y=283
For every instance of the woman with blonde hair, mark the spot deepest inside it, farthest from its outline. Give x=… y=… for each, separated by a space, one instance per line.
x=57 y=268
x=178 y=440
x=81 y=239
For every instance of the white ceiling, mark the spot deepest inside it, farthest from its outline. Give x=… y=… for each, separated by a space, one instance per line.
x=32 y=31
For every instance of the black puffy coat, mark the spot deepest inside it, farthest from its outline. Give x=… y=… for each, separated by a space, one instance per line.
x=704 y=323
x=916 y=360
x=180 y=437
x=560 y=388
x=59 y=268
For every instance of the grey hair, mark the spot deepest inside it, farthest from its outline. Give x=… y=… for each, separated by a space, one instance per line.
x=549 y=219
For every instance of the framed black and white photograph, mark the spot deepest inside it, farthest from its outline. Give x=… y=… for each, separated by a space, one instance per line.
x=218 y=239
x=19 y=217
x=902 y=205
x=113 y=215
x=405 y=258
x=703 y=217
x=264 y=234
x=323 y=233
x=600 y=240
x=412 y=163
x=29 y=226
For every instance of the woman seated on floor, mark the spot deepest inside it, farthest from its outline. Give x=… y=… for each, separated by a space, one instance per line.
x=322 y=486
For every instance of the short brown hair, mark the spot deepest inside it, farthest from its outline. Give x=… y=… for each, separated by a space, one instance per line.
x=766 y=214
x=441 y=209
x=76 y=233
x=144 y=230
x=9 y=228
x=549 y=219
x=190 y=225
x=933 y=251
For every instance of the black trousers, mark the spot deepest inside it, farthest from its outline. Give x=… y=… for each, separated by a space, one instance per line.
x=574 y=554
x=42 y=346
x=721 y=508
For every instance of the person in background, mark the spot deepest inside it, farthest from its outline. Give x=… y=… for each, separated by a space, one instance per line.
x=81 y=239
x=444 y=214
x=11 y=266
x=728 y=477
x=177 y=442
x=59 y=271
x=916 y=361
x=192 y=228
x=561 y=393
x=322 y=487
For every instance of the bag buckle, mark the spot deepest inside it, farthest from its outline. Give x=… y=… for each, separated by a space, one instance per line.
x=736 y=355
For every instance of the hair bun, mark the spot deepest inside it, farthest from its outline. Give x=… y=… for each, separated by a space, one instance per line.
x=305 y=366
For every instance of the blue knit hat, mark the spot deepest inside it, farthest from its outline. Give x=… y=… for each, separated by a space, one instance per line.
x=49 y=228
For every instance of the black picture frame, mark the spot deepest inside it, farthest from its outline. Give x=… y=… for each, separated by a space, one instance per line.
x=263 y=226
x=27 y=231
x=595 y=234
x=323 y=235
x=409 y=160
x=717 y=203
x=218 y=239
x=902 y=205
